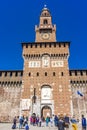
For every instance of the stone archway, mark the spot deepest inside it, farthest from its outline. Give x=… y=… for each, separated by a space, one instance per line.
x=46 y=111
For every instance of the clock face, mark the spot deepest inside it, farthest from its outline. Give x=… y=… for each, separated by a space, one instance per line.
x=45 y=36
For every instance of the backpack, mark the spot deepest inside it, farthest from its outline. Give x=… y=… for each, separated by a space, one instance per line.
x=13 y=126
x=26 y=127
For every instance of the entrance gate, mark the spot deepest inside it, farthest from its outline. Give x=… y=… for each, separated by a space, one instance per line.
x=46 y=111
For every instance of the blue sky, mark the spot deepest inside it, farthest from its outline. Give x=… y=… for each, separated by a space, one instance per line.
x=17 y=24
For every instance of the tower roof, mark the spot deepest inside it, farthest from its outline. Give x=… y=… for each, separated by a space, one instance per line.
x=45 y=12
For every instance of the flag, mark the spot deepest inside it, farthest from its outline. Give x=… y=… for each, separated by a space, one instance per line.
x=79 y=93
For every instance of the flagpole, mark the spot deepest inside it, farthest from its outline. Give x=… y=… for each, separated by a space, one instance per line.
x=78 y=106
x=78 y=103
x=84 y=105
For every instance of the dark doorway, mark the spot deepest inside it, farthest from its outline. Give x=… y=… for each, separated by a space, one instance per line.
x=46 y=111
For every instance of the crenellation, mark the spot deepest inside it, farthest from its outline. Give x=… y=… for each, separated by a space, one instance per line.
x=10 y=83
x=78 y=81
x=38 y=56
x=10 y=74
x=46 y=45
x=78 y=73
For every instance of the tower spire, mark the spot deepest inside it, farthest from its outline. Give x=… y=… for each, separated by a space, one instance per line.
x=45 y=5
x=46 y=31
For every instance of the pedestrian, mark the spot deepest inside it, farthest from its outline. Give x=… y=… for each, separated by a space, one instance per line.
x=51 y=121
x=14 y=123
x=74 y=123
x=83 y=123
x=31 y=120
x=47 y=120
x=37 y=120
x=56 y=120
x=25 y=121
x=67 y=122
x=21 y=120
x=40 y=122
x=61 y=124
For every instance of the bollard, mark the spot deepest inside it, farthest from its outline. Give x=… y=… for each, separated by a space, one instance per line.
x=74 y=126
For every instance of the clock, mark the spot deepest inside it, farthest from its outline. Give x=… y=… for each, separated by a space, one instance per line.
x=45 y=36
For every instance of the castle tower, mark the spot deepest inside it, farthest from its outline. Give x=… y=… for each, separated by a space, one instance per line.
x=46 y=87
x=46 y=31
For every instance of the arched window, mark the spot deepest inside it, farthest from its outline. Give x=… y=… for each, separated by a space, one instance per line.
x=45 y=21
x=46 y=92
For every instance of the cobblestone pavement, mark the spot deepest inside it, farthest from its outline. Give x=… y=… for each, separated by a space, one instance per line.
x=7 y=126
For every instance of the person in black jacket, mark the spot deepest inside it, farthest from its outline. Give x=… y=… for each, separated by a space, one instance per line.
x=61 y=124
x=67 y=122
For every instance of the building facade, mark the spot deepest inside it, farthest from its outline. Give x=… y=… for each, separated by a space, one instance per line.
x=46 y=85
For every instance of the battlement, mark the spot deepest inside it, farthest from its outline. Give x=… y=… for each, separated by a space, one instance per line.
x=11 y=78
x=78 y=72
x=54 y=49
x=78 y=77
x=9 y=73
x=45 y=44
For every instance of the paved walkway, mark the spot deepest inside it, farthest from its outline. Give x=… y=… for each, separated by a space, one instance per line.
x=7 y=126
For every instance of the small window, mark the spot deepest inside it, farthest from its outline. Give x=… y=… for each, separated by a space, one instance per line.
x=45 y=14
x=54 y=74
x=75 y=73
x=86 y=72
x=0 y=73
x=5 y=74
x=37 y=73
x=70 y=73
x=10 y=74
x=49 y=44
x=45 y=45
x=64 y=45
x=40 y=45
x=35 y=45
x=59 y=45
x=62 y=74
x=45 y=73
x=29 y=74
x=45 y=21
x=81 y=72
x=54 y=45
x=26 y=46
x=71 y=81
x=31 y=45
x=16 y=74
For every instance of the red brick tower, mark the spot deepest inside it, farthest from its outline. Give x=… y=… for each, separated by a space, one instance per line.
x=46 y=87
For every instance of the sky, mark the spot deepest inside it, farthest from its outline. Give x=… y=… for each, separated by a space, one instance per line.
x=17 y=24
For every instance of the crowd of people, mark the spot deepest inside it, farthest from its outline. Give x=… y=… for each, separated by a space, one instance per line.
x=62 y=122
x=23 y=122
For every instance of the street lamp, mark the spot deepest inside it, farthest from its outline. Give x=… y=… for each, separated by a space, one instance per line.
x=34 y=97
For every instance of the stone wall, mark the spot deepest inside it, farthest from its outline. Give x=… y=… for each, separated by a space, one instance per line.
x=10 y=95
x=78 y=81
